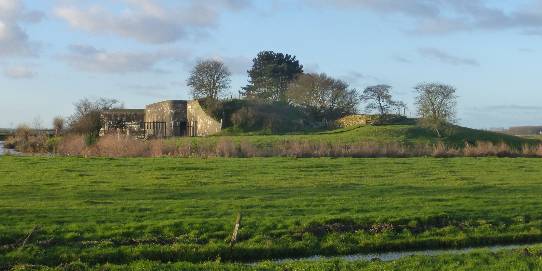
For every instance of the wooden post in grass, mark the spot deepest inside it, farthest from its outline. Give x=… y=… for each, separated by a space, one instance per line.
x=28 y=236
x=235 y=230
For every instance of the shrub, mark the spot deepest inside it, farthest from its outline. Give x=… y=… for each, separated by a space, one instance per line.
x=53 y=143
x=125 y=146
x=252 y=116
x=71 y=145
x=27 y=140
x=120 y=146
x=226 y=148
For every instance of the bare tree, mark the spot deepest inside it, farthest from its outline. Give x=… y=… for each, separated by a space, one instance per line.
x=400 y=107
x=37 y=124
x=323 y=96
x=209 y=79
x=379 y=98
x=58 y=125
x=436 y=105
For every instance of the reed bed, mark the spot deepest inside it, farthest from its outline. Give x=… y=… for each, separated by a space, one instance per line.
x=122 y=146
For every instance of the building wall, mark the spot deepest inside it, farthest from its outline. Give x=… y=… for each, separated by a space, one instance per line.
x=205 y=124
x=125 y=121
x=172 y=113
x=169 y=118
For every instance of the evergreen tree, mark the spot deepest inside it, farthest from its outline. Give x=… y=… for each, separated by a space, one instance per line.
x=270 y=75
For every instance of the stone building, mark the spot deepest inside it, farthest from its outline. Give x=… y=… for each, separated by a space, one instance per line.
x=162 y=119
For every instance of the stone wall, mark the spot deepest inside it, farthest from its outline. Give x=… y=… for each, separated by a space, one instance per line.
x=165 y=119
x=172 y=113
x=205 y=124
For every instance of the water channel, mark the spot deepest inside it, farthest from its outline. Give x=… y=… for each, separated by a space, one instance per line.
x=391 y=256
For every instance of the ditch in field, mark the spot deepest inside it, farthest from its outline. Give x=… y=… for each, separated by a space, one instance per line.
x=396 y=255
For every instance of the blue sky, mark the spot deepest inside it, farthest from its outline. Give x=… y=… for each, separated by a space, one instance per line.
x=54 y=52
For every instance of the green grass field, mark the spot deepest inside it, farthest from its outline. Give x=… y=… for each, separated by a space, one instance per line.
x=403 y=134
x=124 y=211
x=517 y=260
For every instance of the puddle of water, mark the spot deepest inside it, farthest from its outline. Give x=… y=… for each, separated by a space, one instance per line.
x=6 y=151
x=391 y=256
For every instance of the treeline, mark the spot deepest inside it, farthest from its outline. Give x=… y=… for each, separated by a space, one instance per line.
x=279 y=97
x=524 y=130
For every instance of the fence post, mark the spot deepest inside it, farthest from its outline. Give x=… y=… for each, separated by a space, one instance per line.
x=235 y=230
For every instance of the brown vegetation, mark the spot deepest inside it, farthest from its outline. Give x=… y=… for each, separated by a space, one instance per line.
x=122 y=146
x=28 y=140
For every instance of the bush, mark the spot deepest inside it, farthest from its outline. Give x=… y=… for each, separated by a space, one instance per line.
x=27 y=140
x=270 y=118
x=72 y=145
x=52 y=143
x=393 y=119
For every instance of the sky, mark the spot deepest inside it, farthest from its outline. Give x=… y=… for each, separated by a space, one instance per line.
x=55 y=52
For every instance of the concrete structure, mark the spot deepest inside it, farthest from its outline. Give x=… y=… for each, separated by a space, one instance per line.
x=162 y=119
x=123 y=121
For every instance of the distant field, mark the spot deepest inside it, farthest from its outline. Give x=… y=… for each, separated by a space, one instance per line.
x=122 y=211
x=536 y=137
x=403 y=134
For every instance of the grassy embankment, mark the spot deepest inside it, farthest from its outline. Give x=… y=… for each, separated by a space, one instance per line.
x=121 y=211
x=409 y=135
x=363 y=141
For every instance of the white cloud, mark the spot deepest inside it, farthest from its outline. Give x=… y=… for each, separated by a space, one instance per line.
x=14 y=41
x=91 y=59
x=19 y=72
x=445 y=16
x=150 y=21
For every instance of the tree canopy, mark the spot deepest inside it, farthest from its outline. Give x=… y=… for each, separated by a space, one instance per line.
x=378 y=98
x=323 y=96
x=436 y=105
x=87 y=116
x=209 y=79
x=270 y=75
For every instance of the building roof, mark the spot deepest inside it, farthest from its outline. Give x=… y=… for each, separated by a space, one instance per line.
x=170 y=101
x=125 y=111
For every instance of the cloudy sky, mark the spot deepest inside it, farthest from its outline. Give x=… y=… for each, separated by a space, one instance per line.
x=54 y=52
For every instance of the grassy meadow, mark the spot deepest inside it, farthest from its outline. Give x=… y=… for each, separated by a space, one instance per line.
x=168 y=211
x=517 y=260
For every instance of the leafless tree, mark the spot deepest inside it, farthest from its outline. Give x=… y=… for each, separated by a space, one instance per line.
x=37 y=124
x=400 y=108
x=58 y=125
x=379 y=98
x=322 y=95
x=209 y=79
x=436 y=105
